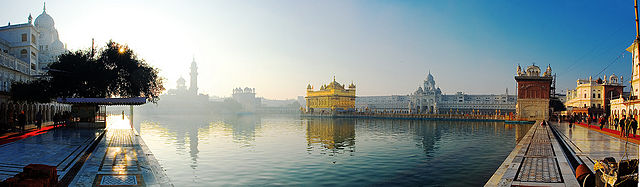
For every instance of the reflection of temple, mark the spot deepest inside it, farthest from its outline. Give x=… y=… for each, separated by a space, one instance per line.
x=243 y=128
x=185 y=129
x=332 y=134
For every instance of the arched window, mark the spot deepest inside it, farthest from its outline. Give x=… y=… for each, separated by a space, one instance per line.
x=23 y=53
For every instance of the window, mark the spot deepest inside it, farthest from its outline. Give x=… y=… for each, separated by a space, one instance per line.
x=24 y=37
x=585 y=95
x=598 y=95
x=33 y=39
x=33 y=54
x=23 y=53
x=594 y=95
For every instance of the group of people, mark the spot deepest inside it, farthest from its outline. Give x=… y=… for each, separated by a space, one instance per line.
x=61 y=118
x=19 y=120
x=626 y=125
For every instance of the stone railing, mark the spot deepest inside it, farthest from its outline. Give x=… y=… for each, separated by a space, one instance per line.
x=14 y=63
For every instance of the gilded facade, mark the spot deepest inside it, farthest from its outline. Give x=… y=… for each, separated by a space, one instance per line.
x=331 y=98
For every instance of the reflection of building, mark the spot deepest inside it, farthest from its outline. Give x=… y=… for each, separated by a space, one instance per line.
x=594 y=95
x=331 y=98
x=332 y=134
x=247 y=98
x=533 y=93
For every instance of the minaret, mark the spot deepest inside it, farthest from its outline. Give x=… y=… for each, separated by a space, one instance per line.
x=193 y=87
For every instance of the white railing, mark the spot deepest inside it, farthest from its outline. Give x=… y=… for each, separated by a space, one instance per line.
x=14 y=63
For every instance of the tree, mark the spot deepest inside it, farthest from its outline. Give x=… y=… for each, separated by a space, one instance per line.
x=115 y=71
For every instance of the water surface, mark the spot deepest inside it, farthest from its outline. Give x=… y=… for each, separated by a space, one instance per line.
x=289 y=150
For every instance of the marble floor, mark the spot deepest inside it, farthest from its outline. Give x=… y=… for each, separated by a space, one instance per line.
x=59 y=147
x=591 y=145
x=121 y=159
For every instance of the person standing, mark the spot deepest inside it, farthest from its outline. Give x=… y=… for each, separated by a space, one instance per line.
x=622 y=120
x=615 y=122
x=601 y=121
x=39 y=120
x=22 y=119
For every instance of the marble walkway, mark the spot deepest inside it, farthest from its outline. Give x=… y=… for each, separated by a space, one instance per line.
x=60 y=147
x=537 y=160
x=590 y=145
x=121 y=159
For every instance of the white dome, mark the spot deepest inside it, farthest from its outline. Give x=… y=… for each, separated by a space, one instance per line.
x=44 y=20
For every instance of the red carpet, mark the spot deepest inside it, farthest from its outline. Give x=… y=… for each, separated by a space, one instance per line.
x=15 y=137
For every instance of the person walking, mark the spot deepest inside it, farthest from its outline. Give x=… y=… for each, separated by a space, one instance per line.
x=571 y=120
x=39 y=120
x=601 y=121
x=22 y=119
x=633 y=126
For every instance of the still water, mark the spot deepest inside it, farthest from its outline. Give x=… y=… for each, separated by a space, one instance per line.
x=289 y=150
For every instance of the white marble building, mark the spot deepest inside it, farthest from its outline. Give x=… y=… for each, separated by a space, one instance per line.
x=390 y=104
x=425 y=99
x=49 y=44
x=428 y=99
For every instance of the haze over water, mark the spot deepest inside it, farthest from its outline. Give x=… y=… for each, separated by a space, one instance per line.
x=289 y=150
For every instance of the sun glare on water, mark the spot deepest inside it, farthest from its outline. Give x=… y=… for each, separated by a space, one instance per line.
x=118 y=122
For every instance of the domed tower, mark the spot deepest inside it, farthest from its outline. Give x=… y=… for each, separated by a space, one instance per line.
x=429 y=84
x=193 y=84
x=181 y=84
x=49 y=44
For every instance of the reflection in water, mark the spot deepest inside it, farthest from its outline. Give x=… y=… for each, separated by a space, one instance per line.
x=253 y=150
x=521 y=129
x=243 y=128
x=335 y=135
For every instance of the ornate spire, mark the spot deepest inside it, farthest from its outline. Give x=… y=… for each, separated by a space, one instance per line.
x=44 y=7
x=30 y=18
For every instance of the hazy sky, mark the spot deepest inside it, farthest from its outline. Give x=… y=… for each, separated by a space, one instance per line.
x=384 y=47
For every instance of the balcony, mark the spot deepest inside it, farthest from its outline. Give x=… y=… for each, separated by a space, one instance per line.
x=14 y=63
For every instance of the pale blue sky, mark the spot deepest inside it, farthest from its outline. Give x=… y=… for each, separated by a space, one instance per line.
x=384 y=47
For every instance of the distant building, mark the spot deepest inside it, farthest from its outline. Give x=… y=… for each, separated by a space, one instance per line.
x=386 y=104
x=331 y=98
x=593 y=96
x=428 y=99
x=182 y=100
x=533 y=93
x=247 y=98
x=461 y=103
x=193 y=83
x=425 y=99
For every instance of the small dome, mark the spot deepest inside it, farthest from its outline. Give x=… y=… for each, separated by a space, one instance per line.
x=429 y=77
x=309 y=86
x=181 y=81
x=533 y=70
x=352 y=85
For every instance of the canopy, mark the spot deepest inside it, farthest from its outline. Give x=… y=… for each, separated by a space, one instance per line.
x=104 y=101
